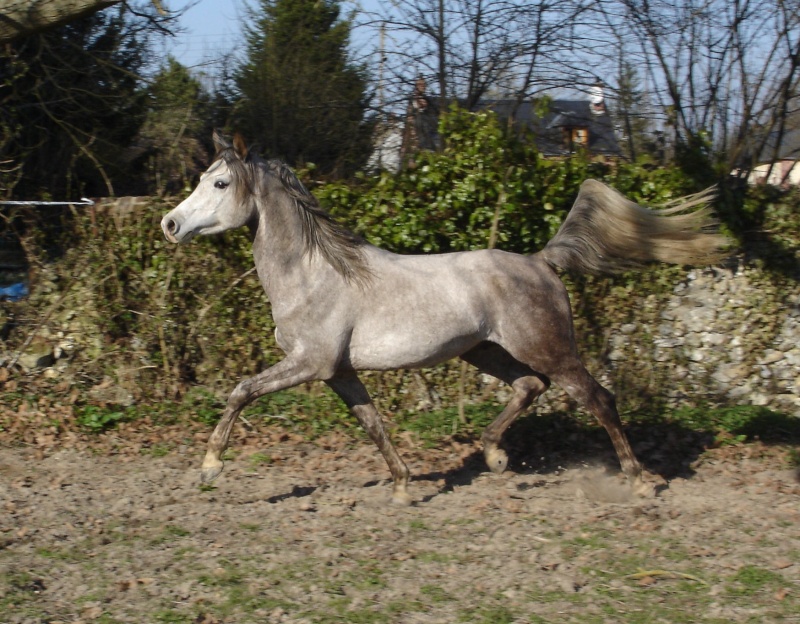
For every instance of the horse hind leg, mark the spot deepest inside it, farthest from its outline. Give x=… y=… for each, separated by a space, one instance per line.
x=526 y=384
x=355 y=395
x=582 y=387
x=526 y=389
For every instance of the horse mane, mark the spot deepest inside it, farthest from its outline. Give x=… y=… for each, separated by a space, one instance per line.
x=340 y=247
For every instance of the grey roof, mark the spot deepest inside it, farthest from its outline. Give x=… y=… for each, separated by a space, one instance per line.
x=548 y=129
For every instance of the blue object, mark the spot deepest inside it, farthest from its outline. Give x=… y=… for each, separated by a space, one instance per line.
x=15 y=292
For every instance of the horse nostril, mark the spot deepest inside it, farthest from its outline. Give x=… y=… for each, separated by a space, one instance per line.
x=172 y=227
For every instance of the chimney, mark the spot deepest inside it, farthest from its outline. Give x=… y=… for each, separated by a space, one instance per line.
x=597 y=102
x=420 y=102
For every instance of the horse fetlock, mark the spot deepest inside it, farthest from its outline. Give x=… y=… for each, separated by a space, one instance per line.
x=496 y=459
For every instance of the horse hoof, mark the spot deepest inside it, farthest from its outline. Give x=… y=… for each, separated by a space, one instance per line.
x=496 y=460
x=642 y=489
x=401 y=498
x=208 y=474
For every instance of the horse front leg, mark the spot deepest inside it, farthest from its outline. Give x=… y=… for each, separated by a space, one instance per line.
x=284 y=374
x=350 y=389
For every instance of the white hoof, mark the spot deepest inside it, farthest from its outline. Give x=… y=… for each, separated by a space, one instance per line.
x=401 y=497
x=642 y=489
x=496 y=460
x=211 y=469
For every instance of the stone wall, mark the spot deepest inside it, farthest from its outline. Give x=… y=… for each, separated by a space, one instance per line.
x=724 y=335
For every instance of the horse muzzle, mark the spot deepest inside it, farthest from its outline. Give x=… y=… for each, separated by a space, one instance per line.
x=171 y=229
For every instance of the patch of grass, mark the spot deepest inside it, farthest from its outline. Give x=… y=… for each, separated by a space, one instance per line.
x=176 y=531
x=305 y=410
x=589 y=540
x=181 y=552
x=367 y=616
x=435 y=557
x=251 y=527
x=203 y=406
x=56 y=554
x=169 y=533
x=434 y=425
x=418 y=525
x=259 y=459
x=399 y=607
x=18 y=593
x=435 y=593
x=498 y=614
x=739 y=423
x=171 y=616
x=238 y=592
x=751 y=579
x=157 y=450
x=99 y=419
x=228 y=576
x=339 y=612
x=369 y=577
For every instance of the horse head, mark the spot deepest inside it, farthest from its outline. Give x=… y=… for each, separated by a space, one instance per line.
x=219 y=202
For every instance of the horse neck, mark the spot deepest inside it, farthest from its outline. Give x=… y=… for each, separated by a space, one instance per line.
x=279 y=248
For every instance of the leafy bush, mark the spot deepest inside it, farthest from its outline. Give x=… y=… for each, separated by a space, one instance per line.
x=446 y=201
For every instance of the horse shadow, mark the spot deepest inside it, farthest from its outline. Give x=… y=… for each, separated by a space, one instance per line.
x=297 y=491
x=547 y=444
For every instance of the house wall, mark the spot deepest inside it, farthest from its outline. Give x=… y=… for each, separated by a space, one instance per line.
x=785 y=172
x=386 y=150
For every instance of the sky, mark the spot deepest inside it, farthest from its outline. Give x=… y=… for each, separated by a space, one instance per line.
x=213 y=28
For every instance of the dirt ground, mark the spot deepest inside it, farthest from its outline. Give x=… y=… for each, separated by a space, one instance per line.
x=300 y=532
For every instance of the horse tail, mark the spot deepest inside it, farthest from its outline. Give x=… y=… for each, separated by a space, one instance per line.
x=606 y=233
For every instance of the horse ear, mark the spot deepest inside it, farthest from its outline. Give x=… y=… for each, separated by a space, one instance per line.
x=220 y=143
x=239 y=146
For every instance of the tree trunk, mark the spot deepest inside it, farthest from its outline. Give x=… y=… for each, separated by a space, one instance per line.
x=20 y=18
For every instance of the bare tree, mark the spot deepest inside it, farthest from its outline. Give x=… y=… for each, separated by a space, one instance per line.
x=473 y=48
x=723 y=71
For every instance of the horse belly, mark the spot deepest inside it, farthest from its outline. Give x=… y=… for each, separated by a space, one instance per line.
x=413 y=348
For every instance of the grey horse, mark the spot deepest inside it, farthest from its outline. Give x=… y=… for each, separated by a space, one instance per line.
x=341 y=305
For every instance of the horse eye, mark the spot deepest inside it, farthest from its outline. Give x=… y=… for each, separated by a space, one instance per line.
x=220 y=184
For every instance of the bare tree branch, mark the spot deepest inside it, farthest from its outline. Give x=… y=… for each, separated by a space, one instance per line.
x=20 y=18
